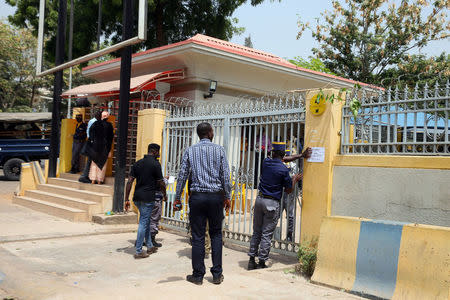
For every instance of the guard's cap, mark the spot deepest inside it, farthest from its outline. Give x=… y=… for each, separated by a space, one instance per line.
x=279 y=146
x=288 y=152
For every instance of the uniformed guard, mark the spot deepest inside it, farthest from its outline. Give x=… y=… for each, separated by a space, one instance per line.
x=274 y=177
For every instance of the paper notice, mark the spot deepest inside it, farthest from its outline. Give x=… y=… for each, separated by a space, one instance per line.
x=171 y=179
x=317 y=155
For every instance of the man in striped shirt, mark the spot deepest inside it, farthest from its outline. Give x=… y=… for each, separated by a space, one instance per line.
x=206 y=167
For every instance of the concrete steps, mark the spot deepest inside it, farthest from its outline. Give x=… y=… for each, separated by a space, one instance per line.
x=67 y=198
x=62 y=211
x=90 y=207
x=97 y=188
x=75 y=193
x=75 y=177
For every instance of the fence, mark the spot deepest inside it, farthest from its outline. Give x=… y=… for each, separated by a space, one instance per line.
x=405 y=122
x=237 y=127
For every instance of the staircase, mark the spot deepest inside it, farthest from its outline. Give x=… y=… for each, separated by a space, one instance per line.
x=67 y=198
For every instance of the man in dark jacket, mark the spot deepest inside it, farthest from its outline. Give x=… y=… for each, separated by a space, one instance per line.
x=79 y=138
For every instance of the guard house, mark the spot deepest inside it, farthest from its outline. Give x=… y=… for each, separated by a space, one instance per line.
x=201 y=69
x=238 y=71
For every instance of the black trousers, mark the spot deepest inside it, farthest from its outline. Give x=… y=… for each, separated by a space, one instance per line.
x=206 y=206
x=87 y=168
x=76 y=152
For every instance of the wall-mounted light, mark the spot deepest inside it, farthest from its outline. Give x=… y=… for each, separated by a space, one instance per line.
x=212 y=89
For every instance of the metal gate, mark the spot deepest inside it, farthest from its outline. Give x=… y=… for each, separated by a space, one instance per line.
x=245 y=129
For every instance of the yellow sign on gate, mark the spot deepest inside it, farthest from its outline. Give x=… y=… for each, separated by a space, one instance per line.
x=317 y=104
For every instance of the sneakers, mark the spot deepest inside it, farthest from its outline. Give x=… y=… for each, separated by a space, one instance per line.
x=152 y=250
x=218 y=279
x=251 y=264
x=194 y=280
x=154 y=242
x=141 y=255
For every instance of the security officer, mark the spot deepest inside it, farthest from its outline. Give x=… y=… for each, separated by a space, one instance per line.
x=274 y=177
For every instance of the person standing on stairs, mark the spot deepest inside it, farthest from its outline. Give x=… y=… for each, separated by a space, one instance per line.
x=84 y=178
x=79 y=138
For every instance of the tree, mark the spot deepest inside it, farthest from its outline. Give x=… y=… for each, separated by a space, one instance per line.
x=19 y=85
x=363 y=38
x=313 y=63
x=18 y=82
x=169 y=21
x=418 y=69
x=248 y=42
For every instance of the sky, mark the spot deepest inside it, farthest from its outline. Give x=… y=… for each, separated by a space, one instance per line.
x=273 y=27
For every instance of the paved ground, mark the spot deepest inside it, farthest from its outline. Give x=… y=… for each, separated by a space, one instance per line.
x=43 y=257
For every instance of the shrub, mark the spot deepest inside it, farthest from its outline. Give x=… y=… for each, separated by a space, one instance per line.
x=307 y=255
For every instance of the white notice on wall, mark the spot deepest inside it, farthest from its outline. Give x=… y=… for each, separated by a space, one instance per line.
x=317 y=155
x=171 y=179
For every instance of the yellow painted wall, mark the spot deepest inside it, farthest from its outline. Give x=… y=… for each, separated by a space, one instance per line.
x=27 y=178
x=337 y=249
x=424 y=263
x=320 y=131
x=65 y=150
x=393 y=161
x=150 y=128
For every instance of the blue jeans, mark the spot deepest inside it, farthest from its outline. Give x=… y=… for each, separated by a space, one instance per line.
x=145 y=211
x=206 y=206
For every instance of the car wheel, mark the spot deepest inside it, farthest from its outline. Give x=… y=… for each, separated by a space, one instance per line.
x=12 y=168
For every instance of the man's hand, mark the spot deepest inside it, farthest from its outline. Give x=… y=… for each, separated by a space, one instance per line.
x=127 y=205
x=297 y=177
x=227 y=204
x=177 y=205
x=164 y=198
x=307 y=153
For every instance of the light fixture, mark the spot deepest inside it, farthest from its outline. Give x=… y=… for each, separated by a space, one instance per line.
x=212 y=89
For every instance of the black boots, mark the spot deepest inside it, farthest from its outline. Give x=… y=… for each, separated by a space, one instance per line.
x=262 y=264
x=154 y=242
x=251 y=264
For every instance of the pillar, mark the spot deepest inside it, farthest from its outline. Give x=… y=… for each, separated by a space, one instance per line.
x=321 y=130
x=65 y=151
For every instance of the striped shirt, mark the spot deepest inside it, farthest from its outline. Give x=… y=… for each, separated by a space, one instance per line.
x=206 y=167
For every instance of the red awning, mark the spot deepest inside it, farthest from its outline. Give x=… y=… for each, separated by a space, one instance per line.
x=111 y=88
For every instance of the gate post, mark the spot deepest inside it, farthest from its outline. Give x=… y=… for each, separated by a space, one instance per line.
x=320 y=131
x=150 y=129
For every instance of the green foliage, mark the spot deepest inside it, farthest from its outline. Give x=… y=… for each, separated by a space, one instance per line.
x=418 y=69
x=18 y=83
x=313 y=63
x=362 y=39
x=248 y=42
x=169 y=21
x=354 y=104
x=307 y=255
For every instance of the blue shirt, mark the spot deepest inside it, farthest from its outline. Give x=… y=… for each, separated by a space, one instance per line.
x=274 y=177
x=206 y=167
x=91 y=121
